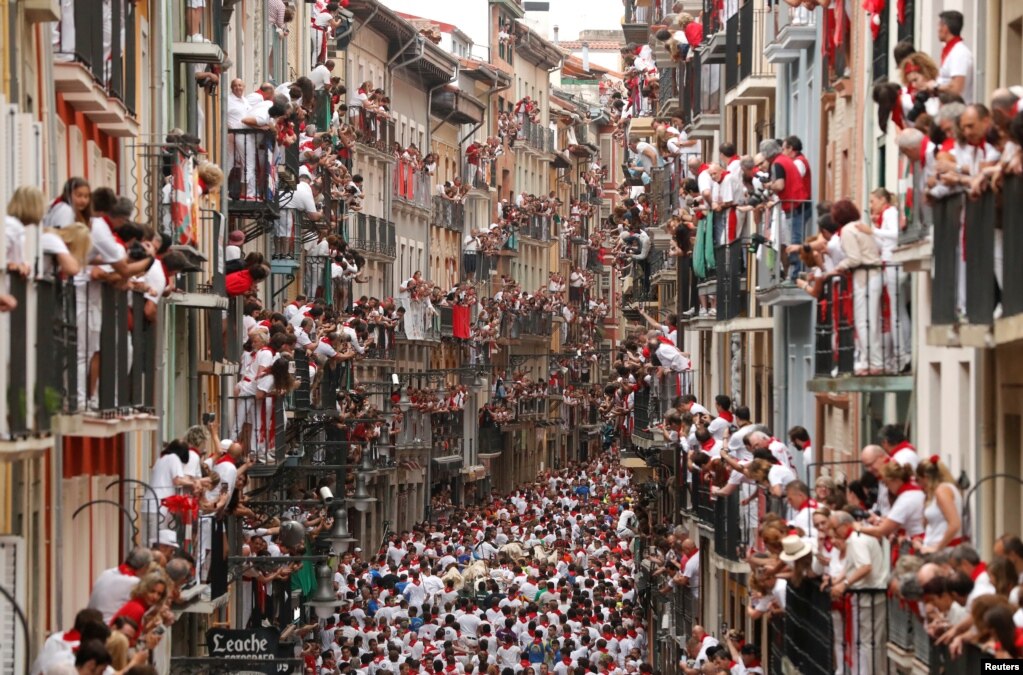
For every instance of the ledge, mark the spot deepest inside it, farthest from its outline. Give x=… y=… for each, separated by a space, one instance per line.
x=966 y=335
x=744 y=324
x=25 y=448
x=197 y=300
x=914 y=256
x=854 y=383
x=782 y=296
x=90 y=426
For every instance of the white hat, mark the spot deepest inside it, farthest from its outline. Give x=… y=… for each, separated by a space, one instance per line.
x=794 y=547
x=225 y=444
x=167 y=538
x=697 y=408
x=303 y=172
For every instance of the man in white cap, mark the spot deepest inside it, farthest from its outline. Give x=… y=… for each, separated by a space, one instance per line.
x=302 y=199
x=166 y=542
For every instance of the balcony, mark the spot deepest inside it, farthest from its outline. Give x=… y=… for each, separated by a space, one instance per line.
x=755 y=74
x=416 y=431
x=652 y=403
x=372 y=131
x=639 y=15
x=411 y=187
x=663 y=194
x=787 y=32
x=967 y=317
x=536 y=227
x=457 y=107
x=771 y=289
x=373 y=236
x=669 y=97
x=39 y=361
x=95 y=81
x=418 y=324
x=250 y=183
x=713 y=48
x=863 y=332
x=199 y=44
x=448 y=214
x=535 y=137
x=482 y=177
x=705 y=99
x=528 y=324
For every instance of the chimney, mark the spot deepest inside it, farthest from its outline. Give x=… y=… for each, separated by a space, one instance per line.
x=555 y=35
x=586 y=56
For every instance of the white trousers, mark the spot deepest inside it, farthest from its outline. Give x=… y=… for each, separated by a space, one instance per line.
x=867 y=284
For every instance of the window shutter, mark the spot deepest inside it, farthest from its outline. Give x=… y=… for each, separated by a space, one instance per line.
x=14 y=579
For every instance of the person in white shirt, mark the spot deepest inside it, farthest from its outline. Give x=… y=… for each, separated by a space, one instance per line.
x=113 y=587
x=166 y=476
x=955 y=74
x=302 y=200
x=320 y=75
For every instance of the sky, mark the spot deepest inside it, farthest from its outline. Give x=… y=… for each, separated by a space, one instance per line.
x=471 y=15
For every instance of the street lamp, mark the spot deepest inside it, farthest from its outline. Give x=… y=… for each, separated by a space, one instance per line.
x=404 y=403
x=324 y=601
x=292 y=533
x=339 y=537
x=362 y=499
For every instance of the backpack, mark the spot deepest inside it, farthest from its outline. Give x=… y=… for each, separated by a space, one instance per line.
x=536 y=653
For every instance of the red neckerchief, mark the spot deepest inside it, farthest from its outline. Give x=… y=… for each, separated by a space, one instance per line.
x=708 y=444
x=904 y=445
x=126 y=571
x=71 y=636
x=325 y=341
x=923 y=150
x=665 y=341
x=808 y=503
x=909 y=486
x=223 y=459
x=727 y=416
x=828 y=545
x=117 y=238
x=978 y=570
x=947 y=49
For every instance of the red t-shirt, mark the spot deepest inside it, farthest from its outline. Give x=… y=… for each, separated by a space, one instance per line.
x=239 y=283
x=694 y=34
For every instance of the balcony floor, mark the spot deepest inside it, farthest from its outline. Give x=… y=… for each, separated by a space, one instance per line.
x=852 y=383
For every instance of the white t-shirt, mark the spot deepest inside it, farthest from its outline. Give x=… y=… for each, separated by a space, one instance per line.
x=156 y=280
x=780 y=475
x=958 y=63
x=908 y=512
x=60 y=215
x=320 y=76
x=302 y=198
x=161 y=479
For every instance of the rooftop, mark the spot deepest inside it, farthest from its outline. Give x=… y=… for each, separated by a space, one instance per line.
x=594 y=45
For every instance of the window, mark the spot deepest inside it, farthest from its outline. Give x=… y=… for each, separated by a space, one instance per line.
x=905 y=33
x=881 y=51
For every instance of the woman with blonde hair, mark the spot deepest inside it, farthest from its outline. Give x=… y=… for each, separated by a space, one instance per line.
x=26 y=207
x=943 y=506
x=150 y=591
x=906 y=516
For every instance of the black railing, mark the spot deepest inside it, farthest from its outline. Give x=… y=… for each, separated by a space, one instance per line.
x=252 y=176
x=863 y=324
x=1012 y=247
x=732 y=289
x=711 y=19
x=983 y=217
x=372 y=234
x=807 y=636
x=81 y=40
x=372 y=130
x=536 y=227
x=449 y=214
x=670 y=89
x=260 y=424
x=732 y=49
x=481 y=176
x=731 y=528
x=535 y=135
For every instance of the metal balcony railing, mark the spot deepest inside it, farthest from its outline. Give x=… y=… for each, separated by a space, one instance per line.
x=536 y=227
x=372 y=234
x=535 y=135
x=804 y=635
x=481 y=176
x=252 y=177
x=732 y=290
x=732 y=49
x=983 y=219
x=372 y=130
x=113 y=66
x=712 y=22
x=416 y=431
x=752 y=62
x=863 y=324
x=259 y=424
x=411 y=185
x=42 y=377
x=449 y=214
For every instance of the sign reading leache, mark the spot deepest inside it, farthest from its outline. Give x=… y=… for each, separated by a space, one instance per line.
x=251 y=645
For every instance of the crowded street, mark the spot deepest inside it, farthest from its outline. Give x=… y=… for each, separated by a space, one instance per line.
x=361 y=337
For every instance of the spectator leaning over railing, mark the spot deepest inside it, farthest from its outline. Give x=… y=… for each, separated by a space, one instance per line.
x=790 y=189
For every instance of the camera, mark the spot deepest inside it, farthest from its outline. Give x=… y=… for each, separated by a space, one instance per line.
x=326 y=495
x=209 y=417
